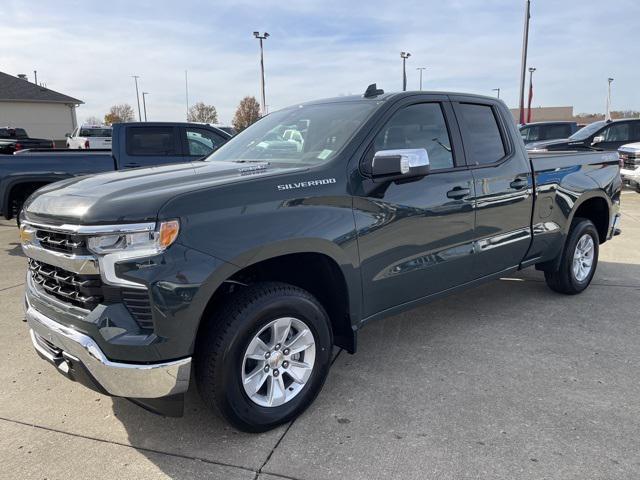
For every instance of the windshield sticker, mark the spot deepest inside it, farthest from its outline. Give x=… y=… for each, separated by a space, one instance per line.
x=324 y=154
x=307 y=184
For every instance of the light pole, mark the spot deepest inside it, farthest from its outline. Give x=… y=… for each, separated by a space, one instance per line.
x=186 y=92
x=144 y=104
x=523 y=66
x=608 y=115
x=262 y=37
x=531 y=70
x=496 y=90
x=420 y=69
x=404 y=56
x=135 y=78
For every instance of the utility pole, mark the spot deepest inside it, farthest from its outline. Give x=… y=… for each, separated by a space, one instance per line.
x=135 y=78
x=496 y=90
x=144 y=104
x=404 y=56
x=263 y=103
x=420 y=69
x=531 y=70
x=523 y=66
x=607 y=116
x=186 y=92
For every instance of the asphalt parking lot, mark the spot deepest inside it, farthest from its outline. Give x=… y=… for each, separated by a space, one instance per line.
x=508 y=380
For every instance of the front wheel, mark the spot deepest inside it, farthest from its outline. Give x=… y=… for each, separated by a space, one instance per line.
x=265 y=356
x=579 y=259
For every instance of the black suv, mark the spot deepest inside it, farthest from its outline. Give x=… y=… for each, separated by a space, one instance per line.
x=540 y=131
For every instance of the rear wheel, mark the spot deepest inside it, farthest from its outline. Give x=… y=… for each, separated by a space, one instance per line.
x=579 y=259
x=265 y=356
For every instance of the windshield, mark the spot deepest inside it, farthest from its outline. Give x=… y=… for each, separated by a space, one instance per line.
x=95 y=132
x=586 y=132
x=310 y=134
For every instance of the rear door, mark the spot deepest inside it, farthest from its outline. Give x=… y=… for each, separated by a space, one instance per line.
x=415 y=237
x=150 y=145
x=503 y=185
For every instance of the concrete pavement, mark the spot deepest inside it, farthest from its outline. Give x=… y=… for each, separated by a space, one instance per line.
x=508 y=380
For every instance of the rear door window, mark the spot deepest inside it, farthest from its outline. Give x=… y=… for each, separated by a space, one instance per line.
x=159 y=141
x=483 y=141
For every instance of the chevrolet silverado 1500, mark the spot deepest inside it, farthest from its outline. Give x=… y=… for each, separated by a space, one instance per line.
x=242 y=271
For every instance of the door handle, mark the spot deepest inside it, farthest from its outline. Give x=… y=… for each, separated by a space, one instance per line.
x=519 y=183
x=458 y=192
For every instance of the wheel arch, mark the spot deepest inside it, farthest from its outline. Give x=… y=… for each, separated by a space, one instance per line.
x=323 y=272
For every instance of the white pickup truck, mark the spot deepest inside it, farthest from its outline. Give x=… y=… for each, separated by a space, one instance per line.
x=630 y=158
x=89 y=136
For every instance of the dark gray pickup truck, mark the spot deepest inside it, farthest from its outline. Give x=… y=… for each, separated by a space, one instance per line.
x=245 y=269
x=135 y=145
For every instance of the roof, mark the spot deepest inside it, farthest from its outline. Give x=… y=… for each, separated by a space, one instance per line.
x=19 y=90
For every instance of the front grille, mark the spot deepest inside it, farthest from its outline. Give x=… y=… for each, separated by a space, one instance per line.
x=62 y=242
x=630 y=163
x=84 y=291
x=139 y=305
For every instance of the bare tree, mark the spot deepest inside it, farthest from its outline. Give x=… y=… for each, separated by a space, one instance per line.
x=119 y=113
x=201 y=112
x=247 y=113
x=92 y=120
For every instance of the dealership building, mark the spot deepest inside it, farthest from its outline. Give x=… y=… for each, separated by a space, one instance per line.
x=43 y=113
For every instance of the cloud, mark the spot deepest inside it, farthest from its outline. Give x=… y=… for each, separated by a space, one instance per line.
x=318 y=49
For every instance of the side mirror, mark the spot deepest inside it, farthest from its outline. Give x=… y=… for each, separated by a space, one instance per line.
x=598 y=139
x=68 y=135
x=401 y=164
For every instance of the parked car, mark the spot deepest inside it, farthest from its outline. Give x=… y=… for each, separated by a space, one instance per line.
x=134 y=145
x=251 y=265
x=602 y=135
x=538 y=131
x=90 y=136
x=16 y=139
x=630 y=159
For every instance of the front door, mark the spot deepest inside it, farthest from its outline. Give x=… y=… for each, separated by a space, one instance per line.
x=616 y=134
x=415 y=238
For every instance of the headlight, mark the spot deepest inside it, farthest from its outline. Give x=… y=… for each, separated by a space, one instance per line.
x=142 y=243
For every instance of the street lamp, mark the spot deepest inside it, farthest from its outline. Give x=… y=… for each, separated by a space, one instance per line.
x=608 y=115
x=144 y=104
x=404 y=56
x=262 y=37
x=135 y=78
x=523 y=65
x=420 y=69
x=496 y=90
x=531 y=70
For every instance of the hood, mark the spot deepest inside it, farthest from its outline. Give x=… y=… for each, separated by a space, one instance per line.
x=630 y=147
x=134 y=195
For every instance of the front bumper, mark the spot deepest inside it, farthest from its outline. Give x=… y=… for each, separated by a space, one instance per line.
x=630 y=177
x=79 y=357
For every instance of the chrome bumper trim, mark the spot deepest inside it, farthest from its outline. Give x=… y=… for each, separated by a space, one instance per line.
x=96 y=229
x=81 y=264
x=118 y=379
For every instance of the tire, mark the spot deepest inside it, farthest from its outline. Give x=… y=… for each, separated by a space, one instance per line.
x=222 y=366
x=566 y=279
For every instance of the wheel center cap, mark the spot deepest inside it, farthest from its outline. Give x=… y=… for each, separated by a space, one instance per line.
x=275 y=360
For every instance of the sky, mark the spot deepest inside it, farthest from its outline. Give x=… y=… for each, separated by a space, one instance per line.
x=317 y=49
